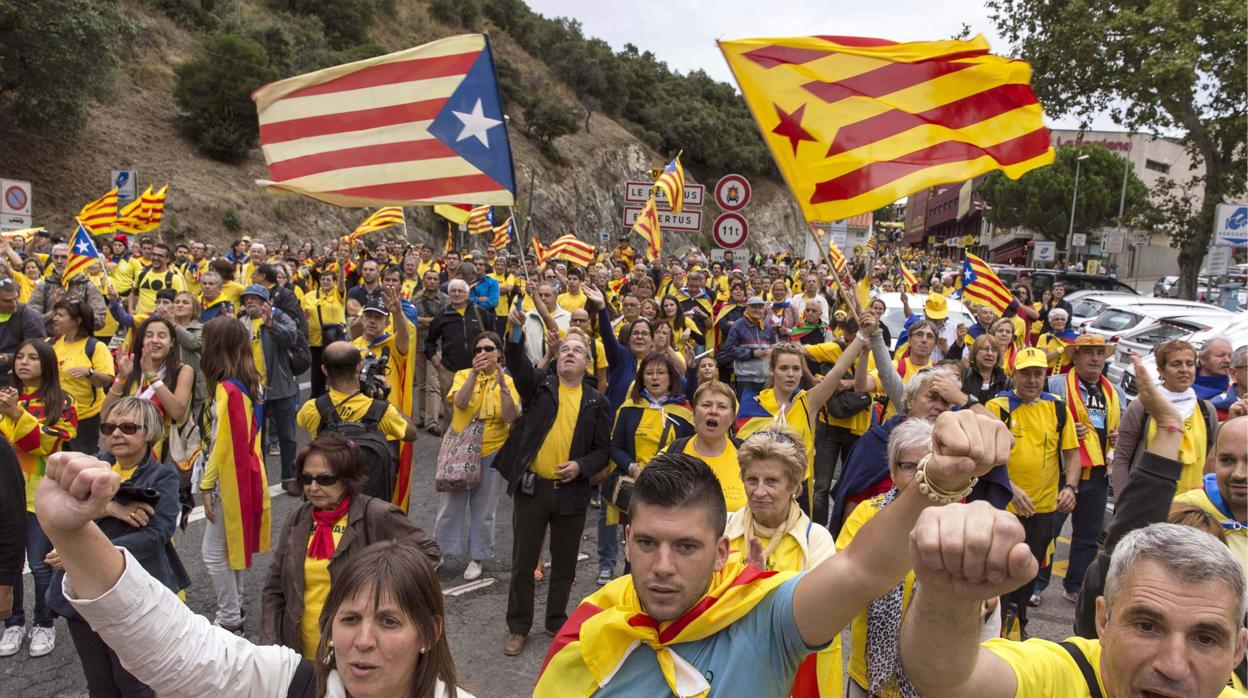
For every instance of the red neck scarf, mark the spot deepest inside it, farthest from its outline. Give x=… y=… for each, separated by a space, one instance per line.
x=322 y=545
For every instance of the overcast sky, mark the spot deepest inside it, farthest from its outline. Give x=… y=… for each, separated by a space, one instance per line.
x=682 y=33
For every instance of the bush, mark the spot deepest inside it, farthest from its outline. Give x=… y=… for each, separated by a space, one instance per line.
x=215 y=90
x=231 y=221
x=463 y=13
x=346 y=22
x=55 y=63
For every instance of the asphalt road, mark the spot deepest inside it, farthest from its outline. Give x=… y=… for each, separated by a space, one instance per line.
x=475 y=612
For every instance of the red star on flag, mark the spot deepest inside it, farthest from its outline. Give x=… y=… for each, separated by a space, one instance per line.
x=790 y=126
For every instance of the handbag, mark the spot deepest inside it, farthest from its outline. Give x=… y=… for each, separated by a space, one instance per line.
x=330 y=333
x=459 y=459
x=847 y=403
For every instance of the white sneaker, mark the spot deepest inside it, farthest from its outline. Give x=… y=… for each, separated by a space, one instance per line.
x=473 y=571
x=11 y=641
x=42 y=641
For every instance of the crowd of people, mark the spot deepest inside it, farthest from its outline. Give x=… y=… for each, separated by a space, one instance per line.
x=756 y=446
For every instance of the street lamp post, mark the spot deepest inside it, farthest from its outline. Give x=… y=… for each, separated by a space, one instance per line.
x=1074 y=197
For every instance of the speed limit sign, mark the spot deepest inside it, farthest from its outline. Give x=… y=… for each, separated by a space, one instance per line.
x=729 y=231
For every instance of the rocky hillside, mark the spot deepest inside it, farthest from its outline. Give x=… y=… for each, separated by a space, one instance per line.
x=210 y=200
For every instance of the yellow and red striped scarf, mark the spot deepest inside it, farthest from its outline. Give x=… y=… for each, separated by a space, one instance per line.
x=1090 y=453
x=608 y=625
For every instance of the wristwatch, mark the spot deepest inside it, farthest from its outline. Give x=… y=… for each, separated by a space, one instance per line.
x=971 y=401
x=1072 y=488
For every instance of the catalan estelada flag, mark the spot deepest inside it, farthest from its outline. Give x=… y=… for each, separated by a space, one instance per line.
x=421 y=126
x=235 y=457
x=980 y=283
x=381 y=219
x=144 y=214
x=569 y=248
x=480 y=220
x=856 y=123
x=647 y=226
x=672 y=184
x=99 y=215
x=82 y=254
x=609 y=625
x=503 y=234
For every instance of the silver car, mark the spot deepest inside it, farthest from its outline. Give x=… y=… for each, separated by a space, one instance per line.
x=1142 y=341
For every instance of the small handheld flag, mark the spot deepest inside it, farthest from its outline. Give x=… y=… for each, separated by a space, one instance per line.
x=143 y=215
x=480 y=220
x=82 y=254
x=569 y=248
x=672 y=184
x=647 y=226
x=838 y=259
x=381 y=219
x=503 y=234
x=982 y=284
x=98 y=216
x=908 y=277
x=455 y=213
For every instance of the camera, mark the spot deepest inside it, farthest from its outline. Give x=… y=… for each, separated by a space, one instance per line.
x=372 y=372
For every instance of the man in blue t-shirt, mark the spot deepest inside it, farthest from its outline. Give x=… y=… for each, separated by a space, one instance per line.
x=687 y=600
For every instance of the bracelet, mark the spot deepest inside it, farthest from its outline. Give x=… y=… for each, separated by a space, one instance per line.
x=933 y=491
x=1172 y=428
x=118 y=380
x=156 y=384
x=862 y=339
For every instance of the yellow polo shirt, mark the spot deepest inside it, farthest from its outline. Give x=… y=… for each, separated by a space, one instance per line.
x=315 y=591
x=88 y=399
x=352 y=409
x=727 y=470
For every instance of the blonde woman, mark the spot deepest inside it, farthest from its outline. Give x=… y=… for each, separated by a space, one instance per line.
x=773 y=533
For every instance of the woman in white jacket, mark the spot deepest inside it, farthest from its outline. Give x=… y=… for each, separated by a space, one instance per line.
x=382 y=627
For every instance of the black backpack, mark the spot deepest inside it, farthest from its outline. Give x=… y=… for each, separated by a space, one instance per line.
x=300 y=351
x=379 y=457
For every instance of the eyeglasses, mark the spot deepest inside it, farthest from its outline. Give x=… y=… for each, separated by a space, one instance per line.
x=488 y=349
x=127 y=428
x=322 y=480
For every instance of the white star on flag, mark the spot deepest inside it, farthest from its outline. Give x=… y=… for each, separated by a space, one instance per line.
x=83 y=248
x=476 y=124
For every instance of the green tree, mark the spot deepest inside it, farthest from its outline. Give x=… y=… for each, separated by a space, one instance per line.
x=1040 y=200
x=55 y=62
x=1153 y=65
x=214 y=92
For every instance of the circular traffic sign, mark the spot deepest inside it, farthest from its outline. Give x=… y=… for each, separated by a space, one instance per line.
x=732 y=192
x=729 y=231
x=15 y=197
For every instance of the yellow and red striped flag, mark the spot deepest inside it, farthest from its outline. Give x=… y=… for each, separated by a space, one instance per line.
x=480 y=220
x=82 y=254
x=570 y=249
x=908 y=277
x=502 y=235
x=838 y=259
x=672 y=184
x=421 y=126
x=449 y=244
x=381 y=219
x=455 y=213
x=144 y=214
x=23 y=236
x=647 y=226
x=539 y=250
x=982 y=284
x=856 y=123
x=99 y=215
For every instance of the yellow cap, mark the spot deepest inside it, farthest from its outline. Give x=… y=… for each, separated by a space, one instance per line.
x=1030 y=357
x=936 y=307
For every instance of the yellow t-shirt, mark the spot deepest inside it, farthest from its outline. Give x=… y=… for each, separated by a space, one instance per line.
x=148 y=282
x=486 y=402
x=1034 y=460
x=557 y=446
x=570 y=302
x=319 y=305
x=858 y=630
x=829 y=353
x=1043 y=668
x=1192 y=450
x=351 y=409
x=1236 y=538
x=123 y=472
x=315 y=591
x=727 y=469
x=232 y=291
x=87 y=397
x=257 y=349
x=109 y=328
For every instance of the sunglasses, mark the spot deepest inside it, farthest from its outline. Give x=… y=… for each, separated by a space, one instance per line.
x=322 y=480
x=483 y=350
x=127 y=428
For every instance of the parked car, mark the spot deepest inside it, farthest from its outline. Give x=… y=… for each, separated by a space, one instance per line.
x=1143 y=340
x=1086 y=305
x=1236 y=331
x=895 y=317
x=1123 y=317
x=1165 y=286
x=1042 y=279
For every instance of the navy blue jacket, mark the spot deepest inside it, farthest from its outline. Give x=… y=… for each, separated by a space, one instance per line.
x=152 y=544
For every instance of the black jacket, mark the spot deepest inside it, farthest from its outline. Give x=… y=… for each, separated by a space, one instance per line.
x=539 y=402
x=284 y=300
x=12 y=515
x=973 y=384
x=454 y=334
x=24 y=324
x=151 y=545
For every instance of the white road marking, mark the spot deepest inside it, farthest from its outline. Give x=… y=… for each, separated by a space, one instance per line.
x=470 y=586
x=197 y=513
